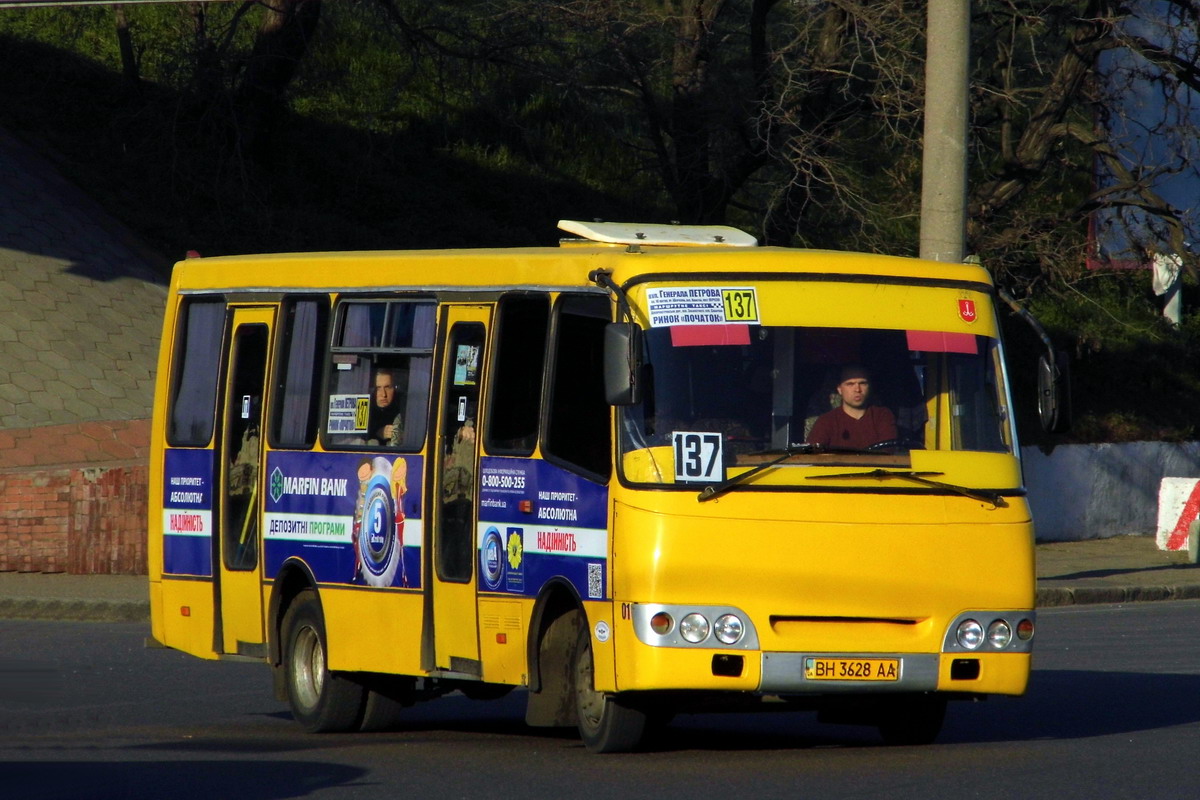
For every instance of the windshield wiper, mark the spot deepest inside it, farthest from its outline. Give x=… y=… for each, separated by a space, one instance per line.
x=920 y=477
x=710 y=492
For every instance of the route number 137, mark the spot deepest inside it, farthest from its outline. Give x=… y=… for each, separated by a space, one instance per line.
x=697 y=456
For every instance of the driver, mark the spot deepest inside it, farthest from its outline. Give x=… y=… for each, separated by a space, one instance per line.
x=855 y=424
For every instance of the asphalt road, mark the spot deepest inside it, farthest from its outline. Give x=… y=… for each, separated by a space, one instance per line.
x=87 y=713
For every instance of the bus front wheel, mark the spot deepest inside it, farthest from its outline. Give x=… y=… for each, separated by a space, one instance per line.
x=321 y=700
x=607 y=723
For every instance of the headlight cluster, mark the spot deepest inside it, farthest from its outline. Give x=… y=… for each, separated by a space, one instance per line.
x=682 y=626
x=695 y=627
x=990 y=633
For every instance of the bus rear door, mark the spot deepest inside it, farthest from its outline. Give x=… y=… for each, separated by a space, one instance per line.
x=237 y=540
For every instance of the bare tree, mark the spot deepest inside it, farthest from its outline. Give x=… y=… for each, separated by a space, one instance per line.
x=1052 y=127
x=802 y=119
x=757 y=108
x=129 y=65
x=283 y=38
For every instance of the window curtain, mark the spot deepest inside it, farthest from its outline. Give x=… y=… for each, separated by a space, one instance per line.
x=301 y=370
x=420 y=372
x=356 y=332
x=193 y=408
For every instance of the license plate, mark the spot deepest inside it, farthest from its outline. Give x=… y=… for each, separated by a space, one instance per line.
x=852 y=669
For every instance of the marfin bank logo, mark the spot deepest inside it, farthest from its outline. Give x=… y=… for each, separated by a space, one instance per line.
x=276 y=487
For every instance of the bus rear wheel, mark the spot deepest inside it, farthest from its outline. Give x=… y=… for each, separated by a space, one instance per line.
x=607 y=723
x=321 y=701
x=388 y=697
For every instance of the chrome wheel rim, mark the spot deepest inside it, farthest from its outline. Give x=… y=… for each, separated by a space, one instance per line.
x=308 y=667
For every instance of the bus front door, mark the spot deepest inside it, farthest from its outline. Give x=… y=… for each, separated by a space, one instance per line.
x=453 y=614
x=239 y=624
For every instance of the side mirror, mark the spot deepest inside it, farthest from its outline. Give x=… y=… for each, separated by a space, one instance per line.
x=1053 y=374
x=622 y=363
x=1054 y=391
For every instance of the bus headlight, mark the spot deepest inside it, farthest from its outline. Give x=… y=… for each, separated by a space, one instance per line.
x=694 y=628
x=677 y=625
x=728 y=629
x=993 y=631
x=999 y=634
x=969 y=634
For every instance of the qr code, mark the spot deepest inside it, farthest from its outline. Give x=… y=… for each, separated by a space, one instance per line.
x=595 y=580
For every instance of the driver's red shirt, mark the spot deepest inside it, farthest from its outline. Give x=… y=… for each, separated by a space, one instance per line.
x=838 y=429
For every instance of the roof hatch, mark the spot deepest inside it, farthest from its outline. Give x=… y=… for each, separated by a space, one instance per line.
x=658 y=234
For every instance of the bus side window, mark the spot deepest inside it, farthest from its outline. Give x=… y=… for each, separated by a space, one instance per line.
x=976 y=421
x=294 y=421
x=516 y=399
x=578 y=433
x=381 y=364
x=197 y=367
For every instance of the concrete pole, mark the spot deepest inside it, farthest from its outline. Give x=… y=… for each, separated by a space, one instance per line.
x=944 y=157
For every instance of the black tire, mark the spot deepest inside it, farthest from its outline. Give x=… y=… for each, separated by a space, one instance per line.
x=387 y=698
x=607 y=723
x=380 y=713
x=915 y=720
x=321 y=701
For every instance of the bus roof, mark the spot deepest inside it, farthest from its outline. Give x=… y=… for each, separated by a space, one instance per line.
x=547 y=267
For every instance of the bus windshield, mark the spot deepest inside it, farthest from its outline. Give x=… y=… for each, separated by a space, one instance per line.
x=873 y=394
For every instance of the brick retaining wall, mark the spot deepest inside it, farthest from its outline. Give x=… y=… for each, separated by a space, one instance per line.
x=73 y=498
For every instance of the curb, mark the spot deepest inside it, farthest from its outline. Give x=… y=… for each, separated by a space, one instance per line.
x=1089 y=595
x=74 y=610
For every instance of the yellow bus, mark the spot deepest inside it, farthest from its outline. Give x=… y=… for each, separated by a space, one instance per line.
x=656 y=469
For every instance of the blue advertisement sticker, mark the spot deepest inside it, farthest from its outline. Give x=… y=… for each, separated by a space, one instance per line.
x=352 y=518
x=187 y=521
x=538 y=522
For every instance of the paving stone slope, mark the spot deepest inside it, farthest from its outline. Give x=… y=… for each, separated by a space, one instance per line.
x=80 y=303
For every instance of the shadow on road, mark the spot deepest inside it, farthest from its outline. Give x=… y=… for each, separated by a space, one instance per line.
x=140 y=780
x=1074 y=704
x=1060 y=705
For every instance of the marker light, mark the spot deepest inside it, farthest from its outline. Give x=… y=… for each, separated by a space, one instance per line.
x=999 y=634
x=969 y=634
x=1025 y=630
x=693 y=628
x=661 y=623
x=728 y=628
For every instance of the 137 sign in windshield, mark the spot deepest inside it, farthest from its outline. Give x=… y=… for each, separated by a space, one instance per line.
x=697 y=456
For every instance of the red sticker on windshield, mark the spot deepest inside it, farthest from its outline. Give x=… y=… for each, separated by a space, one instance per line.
x=966 y=310
x=695 y=335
